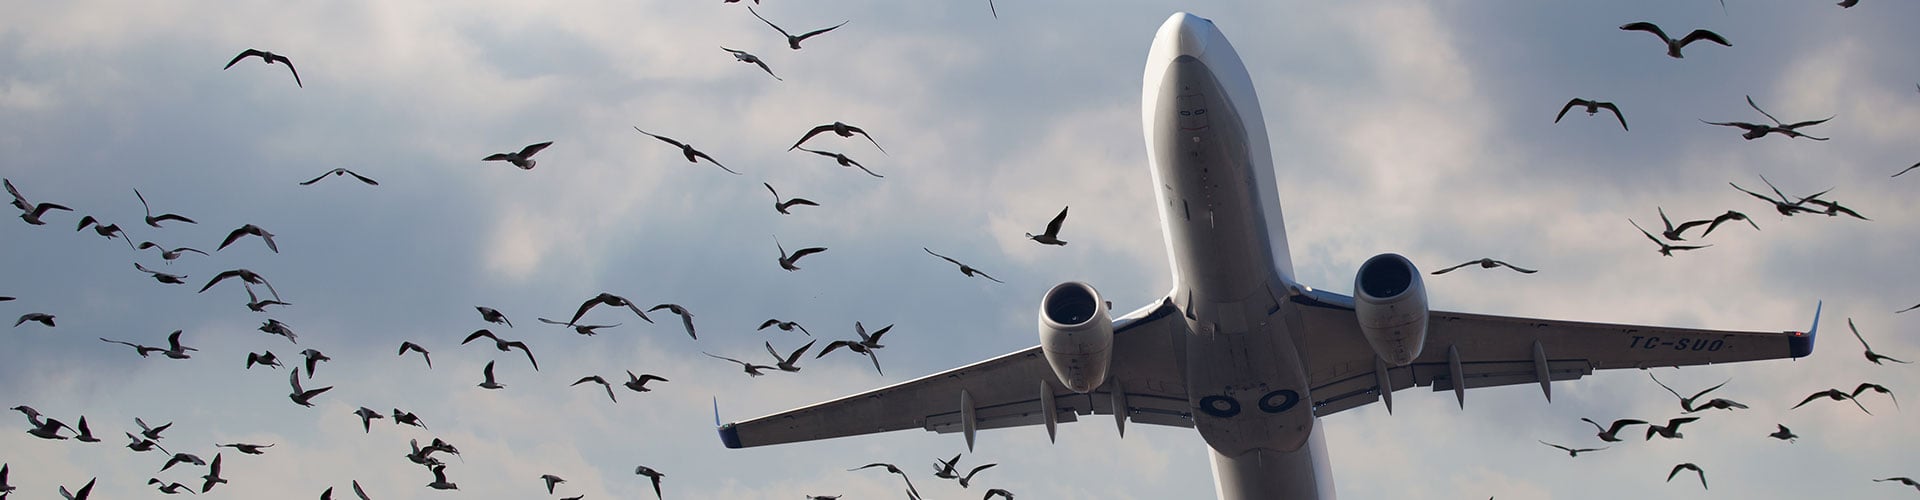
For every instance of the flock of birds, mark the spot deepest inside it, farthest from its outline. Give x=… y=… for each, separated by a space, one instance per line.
x=866 y=344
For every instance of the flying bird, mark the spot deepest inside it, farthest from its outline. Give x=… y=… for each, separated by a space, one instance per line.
x=489 y=383
x=167 y=278
x=686 y=318
x=587 y=330
x=1875 y=357
x=1864 y=387
x=85 y=435
x=247 y=448
x=788 y=262
x=150 y=432
x=1687 y=403
x=523 y=158
x=610 y=300
x=301 y=396
x=976 y=470
x=1487 y=263
x=440 y=481
x=693 y=155
x=1593 y=107
x=1756 y=131
x=1833 y=394
x=1673 y=46
x=367 y=416
x=1571 y=452
x=30 y=211
x=183 y=458
x=745 y=57
x=551 y=480
x=843 y=160
x=967 y=270
x=1689 y=466
x=269 y=58
x=1052 y=235
x=1785 y=206
x=1665 y=248
x=408 y=418
x=1675 y=233
x=751 y=369
x=213 y=475
x=1834 y=208
x=4 y=487
x=1783 y=434
x=790 y=362
x=788 y=326
x=782 y=206
x=1671 y=430
x=108 y=231
x=140 y=444
x=1729 y=216
x=854 y=346
x=896 y=470
x=1902 y=480
x=41 y=318
x=503 y=345
x=840 y=129
x=410 y=346
x=137 y=348
x=494 y=316
x=794 y=41
x=82 y=494
x=50 y=429
x=342 y=172
x=313 y=358
x=639 y=383
x=1009 y=495
x=169 y=488
x=249 y=230
x=1916 y=165
x=165 y=254
x=155 y=220
x=651 y=474
x=256 y=305
x=598 y=380
x=274 y=326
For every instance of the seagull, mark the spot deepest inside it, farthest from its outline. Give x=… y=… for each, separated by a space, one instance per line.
x=269 y=58
x=1052 y=236
x=171 y=279
x=108 y=231
x=587 y=330
x=249 y=230
x=256 y=305
x=1592 y=108
x=1671 y=430
x=693 y=155
x=4 y=487
x=169 y=488
x=607 y=299
x=551 y=480
x=1673 y=233
x=1864 y=387
x=1834 y=208
x=247 y=448
x=494 y=316
x=1694 y=468
x=359 y=492
x=639 y=383
x=1915 y=306
x=150 y=432
x=945 y=469
x=1847 y=4
x=85 y=435
x=1783 y=434
x=165 y=254
x=1488 y=263
x=1784 y=206
x=84 y=491
x=503 y=345
x=752 y=370
x=782 y=206
x=141 y=349
x=854 y=346
x=871 y=341
x=183 y=458
x=340 y=172
x=41 y=318
x=794 y=41
x=1871 y=356
x=50 y=429
x=787 y=261
x=896 y=470
x=997 y=491
x=300 y=396
x=1833 y=394
x=410 y=346
x=790 y=362
x=275 y=327
x=440 y=479
x=1730 y=215
x=143 y=445
x=155 y=220
x=1902 y=480
x=367 y=415
x=313 y=358
x=489 y=383
x=1673 y=46
x=598 y=380
x=969 y=476
x=745 y=57
x=964 y=269
x=788 y=326
x=1571 y=452
x=405 y=417
x=1916 y=165
x=840 y=129
x=1665 y=249
x=30 y=211
x=1686 y=403
x=651 y=474
x=522 y=159
x=245 y=276
x=213 y=475
x=686 y=318
x=1756 y=131
x=843 y=160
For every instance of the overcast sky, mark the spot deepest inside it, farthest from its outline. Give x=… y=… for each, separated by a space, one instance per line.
x=1424 y=130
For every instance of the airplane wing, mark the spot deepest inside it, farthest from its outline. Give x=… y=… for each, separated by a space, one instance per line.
x=1006 y=391
x=1480 y=350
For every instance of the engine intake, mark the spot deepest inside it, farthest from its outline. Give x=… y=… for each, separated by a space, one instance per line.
x=1076 y=334
x=1390 y=302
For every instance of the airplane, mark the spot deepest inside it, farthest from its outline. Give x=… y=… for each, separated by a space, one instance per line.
x=1239 y=350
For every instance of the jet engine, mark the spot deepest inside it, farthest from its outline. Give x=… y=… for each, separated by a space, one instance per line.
x=1076 y=334
x=1391 y=304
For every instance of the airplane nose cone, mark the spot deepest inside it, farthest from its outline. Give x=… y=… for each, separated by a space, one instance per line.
x=1189 y=33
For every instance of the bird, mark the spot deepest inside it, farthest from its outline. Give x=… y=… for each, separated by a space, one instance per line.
x=410 y=346
x=843 y=160
x=1673 y=46
x=249 y=230
x=854 y=346
x=1916 y=165
x=788 y=262
x=359 y=492
x=108 y=231
x=30 y=211
x=169 y=488
x=1675 y=233
x=256 y=305
x=245 y=276
x=313 y=357
x=607 y=299
x=976 y=470
x=1052 y=235
x=1571 y=452
x=171 y=279
x=788 y=326
x=1756 y=131
x=1875 y=357
x=997 y=491
x=367 y=416
x=1730 y=215
x=301 y=396
x=651 y=474
x=85 y=435
x=82 y=494
x=1834 y=208
x=870 y=340
x=1689 y=466
x=503 y=345
x=967 y=270
x=140 y=444
x=150 y=432
x=1488 y=263
x=247 y=448
x=789 y=362
x=165 y=254
x=327 y=495
x=1863 y=387
x=896 y=470
x=141 y=349
x=1847 y=4
x=1665 y=248
x=494 y=316
x=523 y=158
x=782 y=206
x=598 y=380
x=686 y=318
x=6 y=299
x=275 y=327
x=693 y=155
x=4 y=487
x=213 y=475
x=551 y=480
x=489 y=383
x=1784 y=205
x=1833 y=394
x=587 y=330
x=794 y=41
x=49 y=429
x=1915 y=306
x=340 y=172
x=41 y=318
x=639 y=383
x=440 y=479
x=1902 y=480
x=269 y=58
x=745 y=57
x=1671 y=430
x=752 y=370
x=155 y=220
x=1592 y=108
x=408 y=418
x=183 y=458
x=1687 y=405
x=840 y=129
x=1783 y=434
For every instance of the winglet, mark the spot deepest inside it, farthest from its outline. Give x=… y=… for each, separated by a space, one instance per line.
x=1801 y=344
x=729 y=435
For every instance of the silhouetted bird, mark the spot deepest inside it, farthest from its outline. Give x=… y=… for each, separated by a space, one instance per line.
x=1592 y=108
x=686 y=317
x=30 y=211
x=843 y=160
x=794 y=41
x=1666 y=249
x=1571 y=452
x=788 y=262
x=1671 y=430
x=1833 y=394
x=607 y=299
x=693 y=155
x=1487 y=263
x=1689 y=466
x=410 y=346
x=1875 y=357
x=967 y=270
x=249 y=230
x=1673 y=46
x=523 y=158
x=745 y=57
x=503 y=345
x=155 y=220
x=840 y=129
x=269 y=58
x=1783 y=434
x=782 y=206
x=1052 y=235
x=651 y=474
x=340 y=172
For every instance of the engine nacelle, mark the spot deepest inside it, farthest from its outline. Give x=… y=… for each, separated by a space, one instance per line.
x=1391 y=304
x=1076 y=334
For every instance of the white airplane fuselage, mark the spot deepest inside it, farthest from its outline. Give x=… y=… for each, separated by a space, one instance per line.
x=1220 y=214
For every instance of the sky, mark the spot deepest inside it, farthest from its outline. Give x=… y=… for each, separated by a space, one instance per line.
x=1421 y=129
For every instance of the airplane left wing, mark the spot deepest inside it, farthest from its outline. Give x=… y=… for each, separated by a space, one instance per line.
x=1015 y=389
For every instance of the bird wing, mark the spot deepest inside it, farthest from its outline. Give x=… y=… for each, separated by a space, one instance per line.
x=1616 y=113
x=796 y=144
x=662 y=138
x=318 y=179
x=531 y=149
x=1053 y=227
x=362 y=178
x=948 y=259
x=523 y=348
x=769 y=23
x=1916 y=165
x=1647 y=27
x=795 y=357
x=1704 y=35
x=810 y=34
x=763 y=67
x=701 y=154
x=1570 y=104
x=1519 y=269
x=1809 y=123
x=478 y=334
x=1444 y=271
x=243 y=55
x=1756 y=107
x=797 y=254
x=742 y=363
